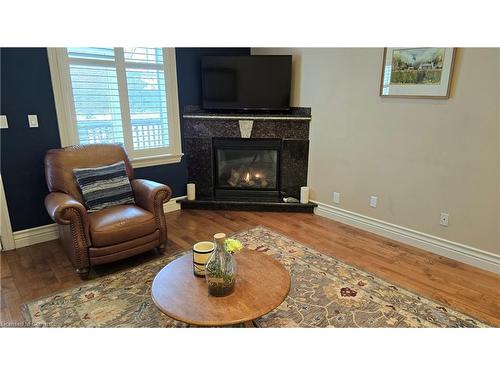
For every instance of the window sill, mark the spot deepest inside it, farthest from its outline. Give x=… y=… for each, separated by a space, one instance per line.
x=149 y=161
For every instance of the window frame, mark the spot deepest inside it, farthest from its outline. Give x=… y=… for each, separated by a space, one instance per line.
x=65 y=107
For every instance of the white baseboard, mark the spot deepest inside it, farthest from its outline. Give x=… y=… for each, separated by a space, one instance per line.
x=172 y=204
x=462 y=253
x=35 y=235
x=31 y=236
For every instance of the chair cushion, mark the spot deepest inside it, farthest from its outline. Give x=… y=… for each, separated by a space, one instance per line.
x=104 y=186
x=118 y=224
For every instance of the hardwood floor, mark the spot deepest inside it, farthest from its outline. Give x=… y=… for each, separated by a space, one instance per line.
x=39 y=270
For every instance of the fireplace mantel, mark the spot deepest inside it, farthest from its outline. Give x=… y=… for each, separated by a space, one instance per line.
x=294 y=114
x=201 y=129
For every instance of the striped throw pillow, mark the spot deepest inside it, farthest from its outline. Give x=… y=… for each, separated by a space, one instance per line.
x=104 y=186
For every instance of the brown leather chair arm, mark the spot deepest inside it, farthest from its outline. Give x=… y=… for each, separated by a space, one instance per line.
x=150 y=195
x=72 y=216
x=62 y=208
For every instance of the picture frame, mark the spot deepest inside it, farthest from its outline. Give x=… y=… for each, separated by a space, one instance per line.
x=417 y=72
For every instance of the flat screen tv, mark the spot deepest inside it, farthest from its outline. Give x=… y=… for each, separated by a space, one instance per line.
x=246 y=82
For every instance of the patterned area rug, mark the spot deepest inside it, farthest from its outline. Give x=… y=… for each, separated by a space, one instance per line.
x=324 y=293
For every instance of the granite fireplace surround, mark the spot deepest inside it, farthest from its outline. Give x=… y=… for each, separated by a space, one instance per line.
x=201 y=128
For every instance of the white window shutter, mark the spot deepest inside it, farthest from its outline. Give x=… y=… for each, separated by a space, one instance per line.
x=119 y=95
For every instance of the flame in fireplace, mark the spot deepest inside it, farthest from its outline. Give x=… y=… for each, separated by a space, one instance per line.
x=247 y=178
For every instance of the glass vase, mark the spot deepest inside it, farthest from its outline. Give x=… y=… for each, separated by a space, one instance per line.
x=220 y=270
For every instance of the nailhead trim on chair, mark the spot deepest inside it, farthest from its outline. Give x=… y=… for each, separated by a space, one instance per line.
x=79 y=240
x=159 y=198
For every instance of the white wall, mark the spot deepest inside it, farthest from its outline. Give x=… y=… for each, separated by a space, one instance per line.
x=419 y=156
x=498 y=110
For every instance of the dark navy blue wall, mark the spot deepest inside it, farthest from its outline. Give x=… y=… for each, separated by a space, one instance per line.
x=26 y=89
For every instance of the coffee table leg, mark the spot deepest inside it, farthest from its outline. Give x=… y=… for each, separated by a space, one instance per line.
x=250 y=324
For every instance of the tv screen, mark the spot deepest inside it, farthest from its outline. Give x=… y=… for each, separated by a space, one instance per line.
x=246 y=82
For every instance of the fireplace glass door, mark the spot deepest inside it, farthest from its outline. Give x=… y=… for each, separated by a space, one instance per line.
x=245 y=168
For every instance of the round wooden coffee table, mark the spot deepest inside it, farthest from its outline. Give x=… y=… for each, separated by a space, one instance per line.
x=262 y=284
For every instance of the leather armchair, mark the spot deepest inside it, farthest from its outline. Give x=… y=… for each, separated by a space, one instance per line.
x=113 y=233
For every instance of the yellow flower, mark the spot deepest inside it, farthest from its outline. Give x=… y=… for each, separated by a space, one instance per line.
x=233 y=246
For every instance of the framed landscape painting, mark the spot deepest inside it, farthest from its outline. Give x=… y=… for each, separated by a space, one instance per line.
x=417 y=72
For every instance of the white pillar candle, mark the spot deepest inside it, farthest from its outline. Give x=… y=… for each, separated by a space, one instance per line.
x=304 y=194
x=191 y=192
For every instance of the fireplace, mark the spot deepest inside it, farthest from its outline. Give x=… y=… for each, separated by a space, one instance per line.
x=246 y=169
x=247 y=161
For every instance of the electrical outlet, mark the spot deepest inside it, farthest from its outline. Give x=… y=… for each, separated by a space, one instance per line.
x=336 y=197
x=373 y=201
x=3 y=122
x=444 y=219
x=33 y=121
